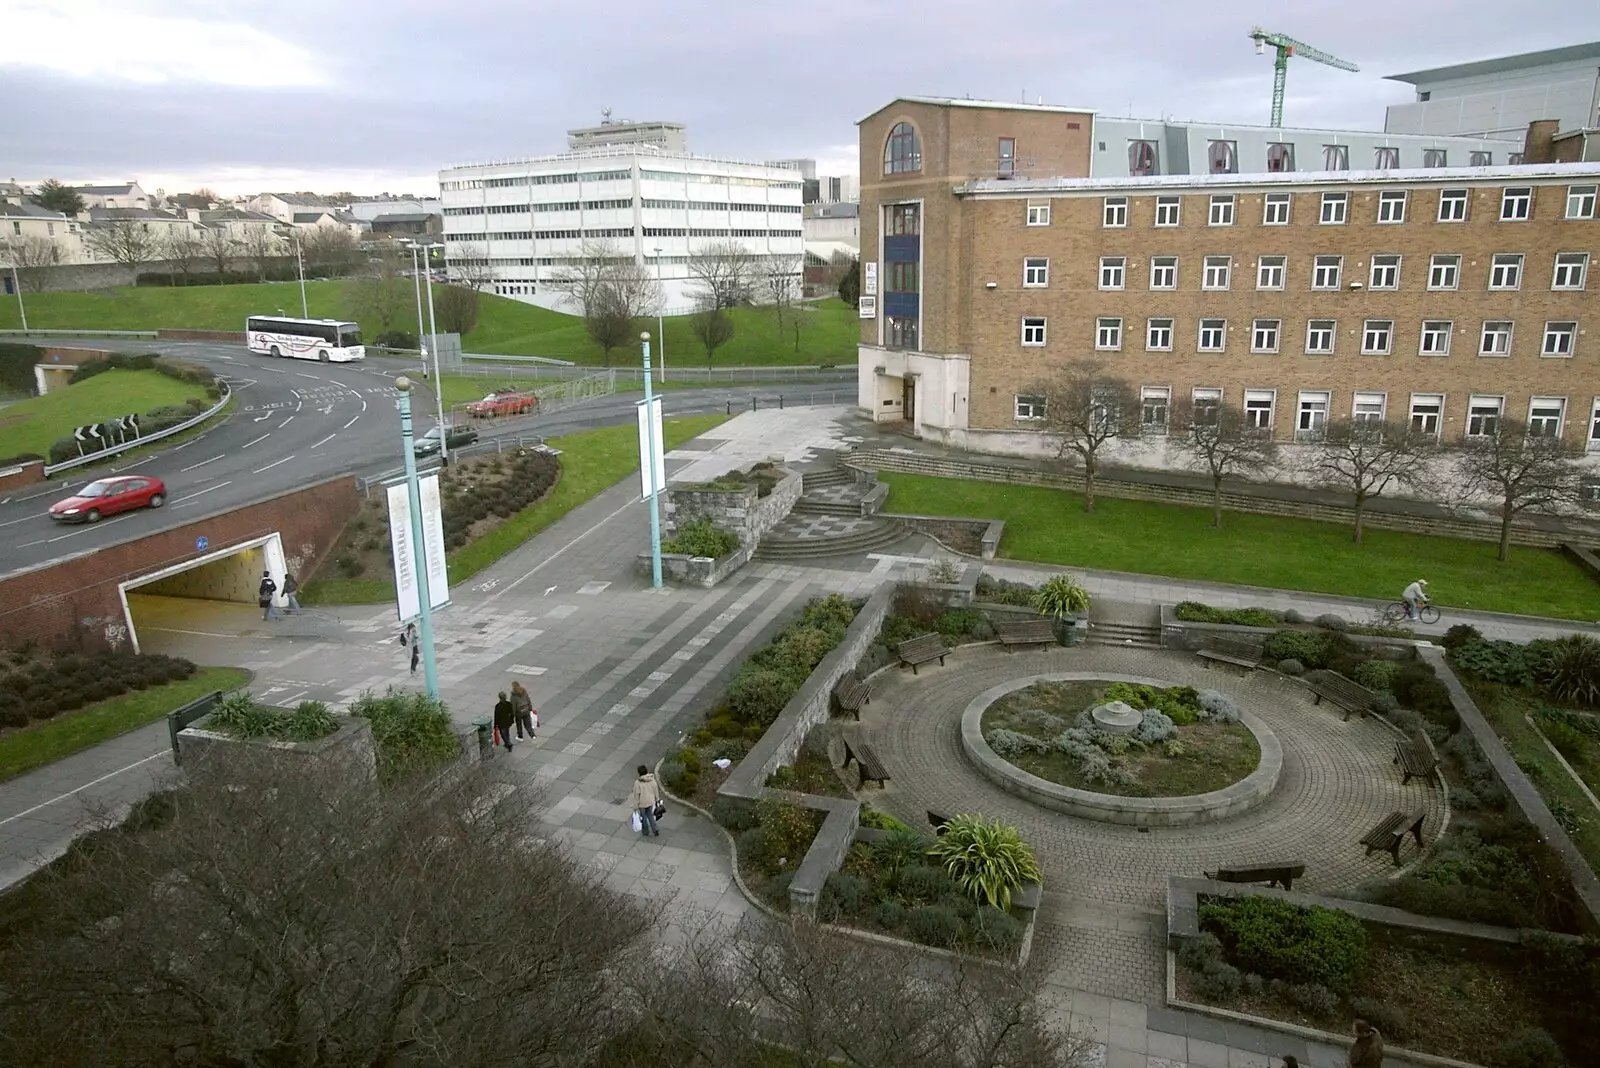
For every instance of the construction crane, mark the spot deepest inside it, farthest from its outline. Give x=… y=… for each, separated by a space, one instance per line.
x=1288 y=46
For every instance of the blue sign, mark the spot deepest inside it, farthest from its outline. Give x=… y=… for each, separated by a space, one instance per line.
x=201 y=545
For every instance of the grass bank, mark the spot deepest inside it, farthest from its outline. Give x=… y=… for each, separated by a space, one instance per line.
x=33 y=425
x=1050 y=526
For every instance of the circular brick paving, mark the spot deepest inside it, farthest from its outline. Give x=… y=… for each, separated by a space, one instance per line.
x=1338 y=778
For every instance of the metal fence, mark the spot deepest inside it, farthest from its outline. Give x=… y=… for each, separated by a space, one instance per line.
x=143 y=439
x=179 y=718
x=13 y=332
x=700 y=376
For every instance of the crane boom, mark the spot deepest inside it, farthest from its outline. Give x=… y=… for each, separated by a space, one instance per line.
x=1285 y=47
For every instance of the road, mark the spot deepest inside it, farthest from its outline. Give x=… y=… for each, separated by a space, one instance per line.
x=296 y=422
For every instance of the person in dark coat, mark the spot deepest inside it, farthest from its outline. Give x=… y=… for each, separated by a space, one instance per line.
x=527 y=718
x=505 y=717
x=264 y=595
x=1367 y=1050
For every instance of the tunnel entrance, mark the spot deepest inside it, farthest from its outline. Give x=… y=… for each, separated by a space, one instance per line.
x=213 y=595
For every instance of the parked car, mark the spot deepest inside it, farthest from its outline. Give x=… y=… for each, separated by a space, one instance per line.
x=428 y=444
x=108 y=496
x=503 y=402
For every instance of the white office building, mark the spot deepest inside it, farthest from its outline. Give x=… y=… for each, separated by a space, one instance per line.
x=1500 y=97
x=526 y=219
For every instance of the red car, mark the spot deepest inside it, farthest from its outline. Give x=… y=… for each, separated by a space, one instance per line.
x=503 y=402
x=108 y=496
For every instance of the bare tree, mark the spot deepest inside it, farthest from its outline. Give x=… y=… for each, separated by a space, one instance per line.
x=1217 y=440
x=258 y=244
x=218 y=247
x=712 y=328
x=1367 y=459
x=127 y=241
x=470 y=267
x=182 y=248
x=455 y=309
x=330 y=249
x=724 y=273
x=1085 y=408
x=778 y=283
x=610 y=290
x=1520 y=470
x=383 y=292
x=33 y=258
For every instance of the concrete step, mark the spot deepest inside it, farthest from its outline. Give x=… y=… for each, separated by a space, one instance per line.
x=807 y=506
x=880 y=537
x=1138 y=635
x=832 y=476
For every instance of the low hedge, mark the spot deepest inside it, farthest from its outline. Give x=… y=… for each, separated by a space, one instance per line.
x=39 y=688
x=1196 y=612
x=157 y=419
x=1282 y=941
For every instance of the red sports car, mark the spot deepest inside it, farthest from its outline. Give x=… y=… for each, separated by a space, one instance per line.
x=108 y=496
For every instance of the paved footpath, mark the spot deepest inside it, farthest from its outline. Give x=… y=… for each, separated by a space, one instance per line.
x=618 y=671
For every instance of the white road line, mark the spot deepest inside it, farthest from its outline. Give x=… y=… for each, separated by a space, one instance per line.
x=313 y=378
x=263 y=437
x=273 y=464
x=41 y=541
x=325 y=440
x=347 y=425
x=85 y=786
x=286 y=422
x=363 y=404
x=197 y=493
x=535 y=569
x=24 y=519
x=88 y=527
x=202 y=463
x=199 y=633
x=131 y=466
x=294 y=393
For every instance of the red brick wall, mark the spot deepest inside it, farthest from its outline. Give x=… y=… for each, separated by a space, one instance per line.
x=27 y=474
x=74 y=603
x=201 y=335
x=70 y=357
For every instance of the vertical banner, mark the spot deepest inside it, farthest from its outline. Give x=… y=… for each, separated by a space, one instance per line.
x=407 y=601
x=652 y=469
x=433 y=541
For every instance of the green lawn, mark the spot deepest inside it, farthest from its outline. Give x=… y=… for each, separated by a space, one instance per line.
x=1050 y=526
x=44 y=743
x=591 y=461
x=828 y=334
x=33 y=425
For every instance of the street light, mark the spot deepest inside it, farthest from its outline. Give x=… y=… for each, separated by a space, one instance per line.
x=650 y=466
x=300 y=264
x=661 y=334
x=416 y=279
x=438 y=383
x=22 y=309
x=419 y=548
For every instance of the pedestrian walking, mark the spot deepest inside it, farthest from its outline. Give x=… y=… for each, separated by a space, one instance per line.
x=522 y=704
x=1367 y=1050
x=504 y=716
x=264 y=595
x=1291 y=1061
x=408 y=637
x=291 y=593
x=646 y=796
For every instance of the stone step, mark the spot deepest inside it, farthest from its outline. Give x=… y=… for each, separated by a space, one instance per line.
x=832 y=476
x=807 y=506
x=880 y=537
x=1137 y=635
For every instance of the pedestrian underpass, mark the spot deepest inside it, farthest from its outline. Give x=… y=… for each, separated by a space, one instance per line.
x=213 y=594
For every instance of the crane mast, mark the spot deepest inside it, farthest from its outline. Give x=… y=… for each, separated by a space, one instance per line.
x=1286 y=47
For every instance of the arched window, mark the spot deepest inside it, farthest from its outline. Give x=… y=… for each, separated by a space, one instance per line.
x=903 y=152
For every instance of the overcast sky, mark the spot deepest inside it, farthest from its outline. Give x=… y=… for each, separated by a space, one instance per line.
x=373 y=95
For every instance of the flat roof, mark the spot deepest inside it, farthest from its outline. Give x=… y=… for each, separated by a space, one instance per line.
x=967 y=102
x=1334 y=131
x=1520 y=61
x=1436 y=175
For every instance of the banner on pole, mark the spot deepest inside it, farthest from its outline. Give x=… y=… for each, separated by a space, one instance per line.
x=652 y=469
x=408 y=556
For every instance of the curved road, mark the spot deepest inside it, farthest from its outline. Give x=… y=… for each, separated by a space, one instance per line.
x=295 y=422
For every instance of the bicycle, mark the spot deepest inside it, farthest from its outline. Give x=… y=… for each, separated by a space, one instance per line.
x=1396 y=613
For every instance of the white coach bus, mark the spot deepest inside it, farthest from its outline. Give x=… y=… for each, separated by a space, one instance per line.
x=328 y=340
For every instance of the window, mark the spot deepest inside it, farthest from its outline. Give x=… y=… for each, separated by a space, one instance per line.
x=1480 y=158
x=1223 y=157
x=1113 y=271
x=1392 y=206
x=1275 y=210
x=1571 y=268
x=1496 y=340
x=1385 y=272
x=1033 y=331
x=1264 y=335
x=905 y=220
x=1221 y=210
x=1368 y=408
x=1505 y=271
x=1435 y=337
x=1038 y=215
x=1269 y=272
x=1207 y=406
x=1516 y=203
x=1444 y=272
x=1144 y=157
x=1213 y=334
x=1280 y=157
x=1385 y=158
x=1426 y=409
x=1377 y=337
x=1008 y=157
x=1544 y=416
x=1580 y=201
x=902 y=154
x=1258 y=408
x=1558 y=338
x=1219 y=269
x=1153 y=403
x=1116 y=211
x=1513 y=159
x=1158 y=335
x=1163 y=272
x=1108 y=334
x=1335 y=208
x=1453 y=205
x=1435 y=157
x=1483 y=415
x=1335 y=157
x=1029 y=405
x=1320 y=334
x=900 y=332
x=1313 y=419
x=1167 y=210
x=1035 y=272
x=1325 y=272
x=902 y=276
x=1594 y=426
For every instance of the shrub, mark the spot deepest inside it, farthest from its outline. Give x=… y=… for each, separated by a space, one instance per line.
x=842 y=895
x=724 y=727
x=778 y=887
x=900 y=850
x=987 y=859
x=735 y=815
x=1494 y=661
x=1003 y=591
x=1288 y=942
x=958 y=622
x=786 y=831
x=1009 y=743
x=412 y=732
x=1218 y=981
x=1309 y=648
x=1376 y=675
x=999 y=931
x=1291 y=667
x=1572 y=673
x=1154 y=726
x=921 y=883
x=395 y=339
x=1314 y=999
x=1037 y=719
x=943 y=571
x=1531 y=1047
x=1571 y=742
x=1195 y=612
x=701 y=538
x=1061 y=596
x=751 y=845
x=1195 y=953
x=1460 y=634
x=1329 y=621
x=889 y=915
x=881 y=821
x=309 y=721
x=1389 y=1019
x=1218 y=707
x=935 y=925
x=1181 y=704
x=757 y=694
x=827 y=612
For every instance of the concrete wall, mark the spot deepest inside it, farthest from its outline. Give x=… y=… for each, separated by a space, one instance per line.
x=26 y=474
x=741 y=512
x=351 y=746
x=232 y=578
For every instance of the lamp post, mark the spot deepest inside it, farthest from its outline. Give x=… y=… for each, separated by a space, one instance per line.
x=416 y=280
x=22 y=309
x=438 y=383
x=300 y=265
x=419 y=548
x=650 y=461
x=661 y=333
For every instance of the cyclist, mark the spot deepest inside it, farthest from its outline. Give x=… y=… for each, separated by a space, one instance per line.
x=1415 y=596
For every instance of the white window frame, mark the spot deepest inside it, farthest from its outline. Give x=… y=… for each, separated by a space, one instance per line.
x=1217 y=326
x=1371 y=327
x=1169 y=211
x=1312 y=403
x=1391 y=277
x=1218 y=273
x=1581 y=201
x=1576 y=269
x=1335 y=209
x=1516 y=203
x=1150 y=329
x=1453 y=205
x=1223 y=209
x=1594 y=425
x=1034 y=411
x=1114 y=212
x=1161 y=263
x=1420 y=421
x=1369 y=398
x=1392 y=206
x=1554 y=331
x=1036 y=272
x=1038 y=214
x=1108 y=333
x=1322 y=345
x=1271 y=329
x=1038 y=326
x=1206 y=402
x=1494 y=339
x=1446 y=265
x=1480 y=422
x=1251 y=396
x=1432 y=328
x=1113 y=272
x=1155 y=396
x=1320 y=278
x=1505 y=270
x=1283 y=201
x=1538 y=422
x=1264 y=268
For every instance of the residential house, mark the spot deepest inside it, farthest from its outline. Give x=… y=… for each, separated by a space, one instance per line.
x=126 y=195
x=284 y=206
x=412 y=225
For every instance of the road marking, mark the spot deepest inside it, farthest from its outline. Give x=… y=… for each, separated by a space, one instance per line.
x=273 y=464
x=286 y=422
x=196 y=633
x=347 y=425
x=263 y=437
x=325 y=440
x=24 y=519
x=131 y=466
x=85 y=786
x=363 y=404
x=202 y=463
x=30 y=544
x=91 y=526
x=208 y=489
x=536 y=568
x=524 y=669
x=313 y=378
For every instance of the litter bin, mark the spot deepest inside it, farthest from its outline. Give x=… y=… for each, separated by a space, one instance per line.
x=482 y=727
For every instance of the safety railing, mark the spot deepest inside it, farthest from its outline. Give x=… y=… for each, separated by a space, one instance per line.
x=143 y=439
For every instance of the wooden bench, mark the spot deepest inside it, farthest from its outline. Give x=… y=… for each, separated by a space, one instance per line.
x=1282 y=874
x=937 y=820
x=1392 y=830
x=922 y=649
x=868 y=765
x=851 y=692
x=1234 y=651
x=1417 y=757
x=1026 y=632
x=1352 y=697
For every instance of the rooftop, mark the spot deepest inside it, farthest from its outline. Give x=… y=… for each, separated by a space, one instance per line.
x=304 y=200
x=967 y=102
x=107 y=190
x=1432 y=175
x=105 y=215
x=1289 y=132
x=26 y=210
x=404 y=217
x=1521 y=61
x=605 y=152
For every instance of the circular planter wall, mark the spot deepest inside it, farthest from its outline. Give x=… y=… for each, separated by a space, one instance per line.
x=1109 y=808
